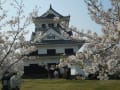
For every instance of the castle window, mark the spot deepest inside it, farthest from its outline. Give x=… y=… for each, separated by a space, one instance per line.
x=51 y=51
x=51 y=25
x=43 y=26
x=69 y=51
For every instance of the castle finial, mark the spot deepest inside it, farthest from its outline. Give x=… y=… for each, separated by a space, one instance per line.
x=50 y=6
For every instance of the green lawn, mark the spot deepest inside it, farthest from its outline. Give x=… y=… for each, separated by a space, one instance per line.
x=38 y=84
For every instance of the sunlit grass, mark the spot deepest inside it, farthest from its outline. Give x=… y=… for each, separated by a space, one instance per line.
x=53 y=84
x=70 y=85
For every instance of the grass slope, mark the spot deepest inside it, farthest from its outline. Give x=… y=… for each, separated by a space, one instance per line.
x=53 y=84
x=70 y=85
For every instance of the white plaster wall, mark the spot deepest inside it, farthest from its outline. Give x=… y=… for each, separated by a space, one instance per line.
x=76 y=70
x=38 y=25
x=76 y=49
x=42 y=51
x=59 y=49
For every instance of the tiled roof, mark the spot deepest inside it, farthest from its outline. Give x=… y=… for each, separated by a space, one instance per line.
x=51 y=9
x=45 y=42
x=63 y=17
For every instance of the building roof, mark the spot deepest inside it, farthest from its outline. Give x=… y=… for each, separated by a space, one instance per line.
x=51 y=13
x=51 y=9
x=83 y=47
x=49 y=42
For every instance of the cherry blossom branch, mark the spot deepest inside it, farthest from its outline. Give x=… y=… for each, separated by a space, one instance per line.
x=19 y=59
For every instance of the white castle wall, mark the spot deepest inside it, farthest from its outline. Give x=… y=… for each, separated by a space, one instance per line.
x=59 y=49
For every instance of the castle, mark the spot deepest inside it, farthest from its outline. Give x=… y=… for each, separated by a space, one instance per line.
x=52 y=38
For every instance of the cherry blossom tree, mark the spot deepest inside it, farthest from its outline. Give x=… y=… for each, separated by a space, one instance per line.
x=13 y=45
x=107 y=48
x=101 y=54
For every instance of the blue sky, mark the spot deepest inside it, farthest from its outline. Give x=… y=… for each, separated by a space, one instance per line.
x=77 y=9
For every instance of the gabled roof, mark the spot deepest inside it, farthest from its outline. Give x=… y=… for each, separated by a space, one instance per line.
x=51 y=31
x=50 y=15
x=51 y=11
x=54 y=32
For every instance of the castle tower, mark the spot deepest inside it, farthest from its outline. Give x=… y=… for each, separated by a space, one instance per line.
x=52 y=38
